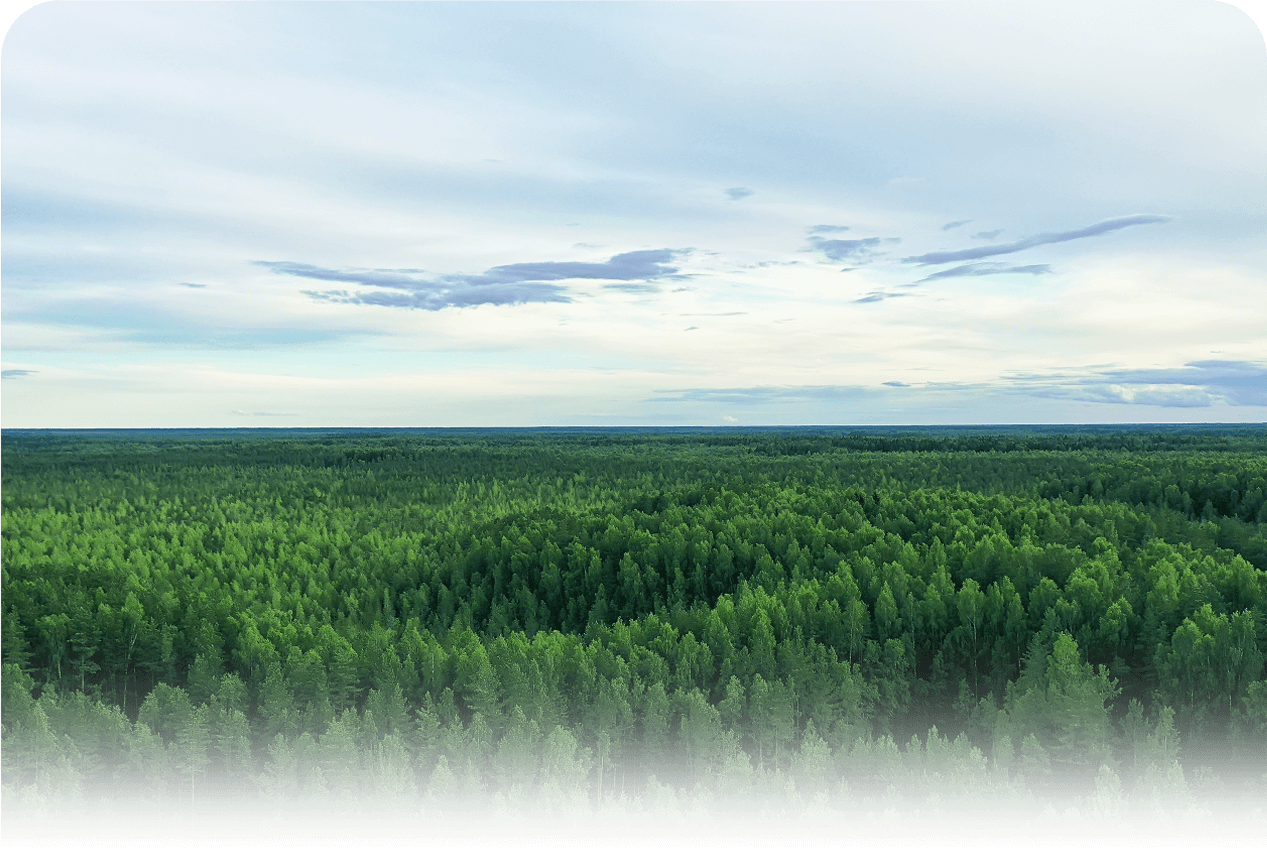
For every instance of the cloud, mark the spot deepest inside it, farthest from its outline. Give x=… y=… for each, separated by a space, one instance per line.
x=987 y=235
x=194 y=284
x=839 y=250
x=1104 y=227
x=505 y=284
x=827 y=229
x=894 y=384
x=634 y=287
x=952 y=225
x=643 y=264
x=877 y=296
x=754 y=395
x=16 y=373
x=1194 y=385
x=985 y=268
x=737 y=192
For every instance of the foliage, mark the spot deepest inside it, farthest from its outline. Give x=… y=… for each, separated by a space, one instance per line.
x=449 y=610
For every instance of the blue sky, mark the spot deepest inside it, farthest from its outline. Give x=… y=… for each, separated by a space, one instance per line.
x=403 y=214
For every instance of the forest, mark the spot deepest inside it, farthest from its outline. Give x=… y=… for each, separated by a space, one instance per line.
x=577 y=617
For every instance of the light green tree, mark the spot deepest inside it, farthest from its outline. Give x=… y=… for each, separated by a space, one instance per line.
x=517 y=754
x=280 y=777
x=391 y=770
x=812 y=767
x=442 y=784
x=191 y=744
x=340 y=756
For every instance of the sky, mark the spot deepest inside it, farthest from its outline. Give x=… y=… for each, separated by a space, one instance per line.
x=524 y=214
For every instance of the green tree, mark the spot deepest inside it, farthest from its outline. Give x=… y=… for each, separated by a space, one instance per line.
x=1035 y=764
x=391 y=769
x=148 y=758
x=761 y=712
x=277 y=712
x=733 y=707
x=442 y=784
x=701 y=734
x=340 y=755
x=193 y=741
x=812 y=768
x=972 y=603
x=279 y=779
x=517 y=754
x=427 y=734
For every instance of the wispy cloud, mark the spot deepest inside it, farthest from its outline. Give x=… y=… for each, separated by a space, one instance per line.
x=16 y=373
x=194 y=284
x=985 y=268
x=827 y=229
x=1104 y=227
x=737 y=192
x=502 y=285
x=877 y=296
x=1194 y=385
x=950 y=226
x=987 y=235
x=755 y=395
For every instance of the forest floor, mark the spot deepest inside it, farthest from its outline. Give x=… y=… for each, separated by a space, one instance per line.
x=237 y=821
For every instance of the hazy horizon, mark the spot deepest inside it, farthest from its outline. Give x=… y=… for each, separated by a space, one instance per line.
x=650 y=214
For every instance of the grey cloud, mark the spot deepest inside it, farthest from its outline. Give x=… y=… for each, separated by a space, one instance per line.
x=754 y=395
x=1104 y=227
x=644 y=264
x=1196 y=384
x=194 y=284
x=827 y=229
x=986 y=268
x=16 y=373
x=894 y=384
x=877 y=296
x=839 y=250
x=502 y=285
x=987 y=235
x=737 y=192
x=952 y=225
x=435 y=300
x=1168 y=397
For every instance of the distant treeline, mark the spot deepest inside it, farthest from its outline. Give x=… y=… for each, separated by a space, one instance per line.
x=707 y=608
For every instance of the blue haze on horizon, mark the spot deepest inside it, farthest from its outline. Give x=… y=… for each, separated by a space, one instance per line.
x=499 y=214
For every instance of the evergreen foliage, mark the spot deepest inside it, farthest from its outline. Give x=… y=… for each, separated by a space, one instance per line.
x=545 y=612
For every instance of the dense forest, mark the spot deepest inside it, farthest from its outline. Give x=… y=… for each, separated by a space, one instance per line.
x=589 y=615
